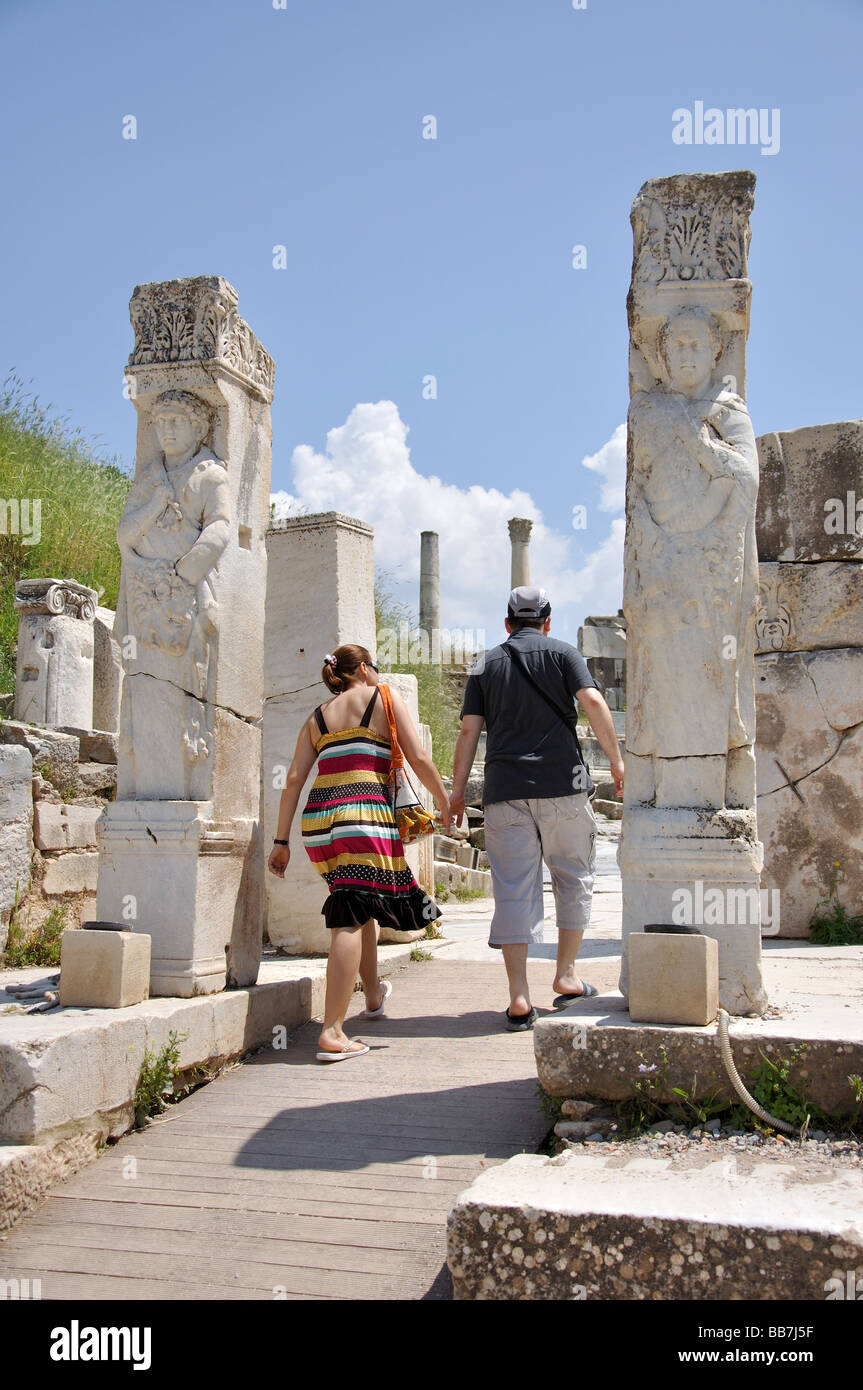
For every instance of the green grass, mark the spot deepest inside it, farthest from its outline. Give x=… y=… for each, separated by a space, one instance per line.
x=467 y=895
x=419 y=954
x=26 y=945
x=82 y=496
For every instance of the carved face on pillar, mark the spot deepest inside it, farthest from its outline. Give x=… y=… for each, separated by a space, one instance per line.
x=690 y=344
x=181 y=423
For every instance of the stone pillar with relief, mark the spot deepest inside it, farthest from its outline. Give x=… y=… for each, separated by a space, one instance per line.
x=689 y=851
x=54 y=660
x=181 y=848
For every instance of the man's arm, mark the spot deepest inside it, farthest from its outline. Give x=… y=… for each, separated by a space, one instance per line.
x=602 y=724
x=465 y=752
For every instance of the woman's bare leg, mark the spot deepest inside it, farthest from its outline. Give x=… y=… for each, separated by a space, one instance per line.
x=342 y=966
x=374 y=990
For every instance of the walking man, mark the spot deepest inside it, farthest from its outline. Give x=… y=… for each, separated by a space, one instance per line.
x=537 y=792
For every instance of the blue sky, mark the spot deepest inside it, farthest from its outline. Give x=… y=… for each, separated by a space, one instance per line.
x=302 y=127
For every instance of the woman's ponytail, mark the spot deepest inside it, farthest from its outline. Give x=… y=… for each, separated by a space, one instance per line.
x=340 y=667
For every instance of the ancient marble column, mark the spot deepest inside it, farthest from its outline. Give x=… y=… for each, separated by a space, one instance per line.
x=519 y=535
x=54 y=663
x=689 y=850
x=181 y=849
x=430 y=592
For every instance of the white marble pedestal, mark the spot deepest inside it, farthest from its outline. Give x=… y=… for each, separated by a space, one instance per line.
x=193 y=884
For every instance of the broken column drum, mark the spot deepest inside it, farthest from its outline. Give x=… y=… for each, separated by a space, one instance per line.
x=54 y=661
x=691 y=576
x=181 y=853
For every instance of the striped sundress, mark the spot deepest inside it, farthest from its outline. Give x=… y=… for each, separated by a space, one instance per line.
x=350 y=834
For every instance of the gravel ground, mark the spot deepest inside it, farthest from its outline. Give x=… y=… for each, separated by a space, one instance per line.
x=690 y=1148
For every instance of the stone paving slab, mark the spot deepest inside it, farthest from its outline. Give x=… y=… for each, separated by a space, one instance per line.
x=816 y=998
x=597 y=1226
x=288 y=1178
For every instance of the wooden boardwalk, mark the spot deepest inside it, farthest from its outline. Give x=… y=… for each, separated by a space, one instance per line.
x=285 y=1178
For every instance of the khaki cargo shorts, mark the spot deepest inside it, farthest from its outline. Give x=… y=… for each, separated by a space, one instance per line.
x=519 y=835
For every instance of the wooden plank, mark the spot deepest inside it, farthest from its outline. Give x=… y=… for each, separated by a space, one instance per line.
x=246 y=1274
x=361 y=1230
x=436 y=1193
x=286 y=1204
x=366 y=1185
x=236 y=1250
x=310 y=1148
x=62 y=1286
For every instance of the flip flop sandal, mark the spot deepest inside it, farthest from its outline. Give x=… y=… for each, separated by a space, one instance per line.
x=564 y=1000
x=378 y=1012
x=520 y=1023
x=343 y=1055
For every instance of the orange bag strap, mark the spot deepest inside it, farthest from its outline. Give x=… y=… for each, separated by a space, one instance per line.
x=396 y=755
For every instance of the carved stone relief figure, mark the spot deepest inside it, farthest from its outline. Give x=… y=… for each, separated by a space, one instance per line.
x=174 y=529
x=692 y=570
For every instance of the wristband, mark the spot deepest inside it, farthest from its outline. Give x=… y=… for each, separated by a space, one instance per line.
x=281 y=842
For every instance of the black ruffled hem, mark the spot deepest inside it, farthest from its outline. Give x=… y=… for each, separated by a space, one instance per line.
x=351 y=907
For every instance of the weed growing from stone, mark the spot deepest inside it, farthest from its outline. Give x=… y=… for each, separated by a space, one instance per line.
x=467 y=895
x=66 y=787
x=432 y=932
x=549 y=1104
x=157 y=1080
x=771 y=1086
x=28 y=945
x=441 y=893
x=832 y=924
x=418 y=954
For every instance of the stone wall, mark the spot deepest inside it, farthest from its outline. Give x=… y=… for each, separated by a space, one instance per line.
x=53 y=786
x=809 y=668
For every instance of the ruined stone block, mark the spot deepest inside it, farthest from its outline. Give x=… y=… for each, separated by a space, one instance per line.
x=673 y=978
x=104 y=969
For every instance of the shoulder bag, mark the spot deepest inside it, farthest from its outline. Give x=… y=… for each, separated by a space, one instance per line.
x=411 y=817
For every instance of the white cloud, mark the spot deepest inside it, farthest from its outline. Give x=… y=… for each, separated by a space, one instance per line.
x=366 y=471
x=610 y=463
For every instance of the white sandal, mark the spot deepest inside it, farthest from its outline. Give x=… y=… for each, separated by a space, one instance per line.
x=343 y=1056
x=378 y=1012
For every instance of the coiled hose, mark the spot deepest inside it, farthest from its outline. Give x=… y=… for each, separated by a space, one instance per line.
x=734 y=1076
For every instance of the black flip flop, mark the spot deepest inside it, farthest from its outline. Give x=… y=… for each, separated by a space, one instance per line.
x=520 y=1023
x=564 y=1000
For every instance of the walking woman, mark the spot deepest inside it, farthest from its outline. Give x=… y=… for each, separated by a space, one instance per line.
x=350 y=834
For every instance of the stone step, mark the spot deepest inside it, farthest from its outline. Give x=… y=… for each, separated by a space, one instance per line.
x=595 y=1049
x=589 y=1226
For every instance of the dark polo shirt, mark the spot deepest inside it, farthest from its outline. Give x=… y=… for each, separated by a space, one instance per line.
x=529 y=750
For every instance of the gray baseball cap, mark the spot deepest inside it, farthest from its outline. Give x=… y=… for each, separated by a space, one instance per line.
x=526 y=602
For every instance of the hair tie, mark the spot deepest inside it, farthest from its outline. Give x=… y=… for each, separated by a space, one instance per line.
x=330 y=661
